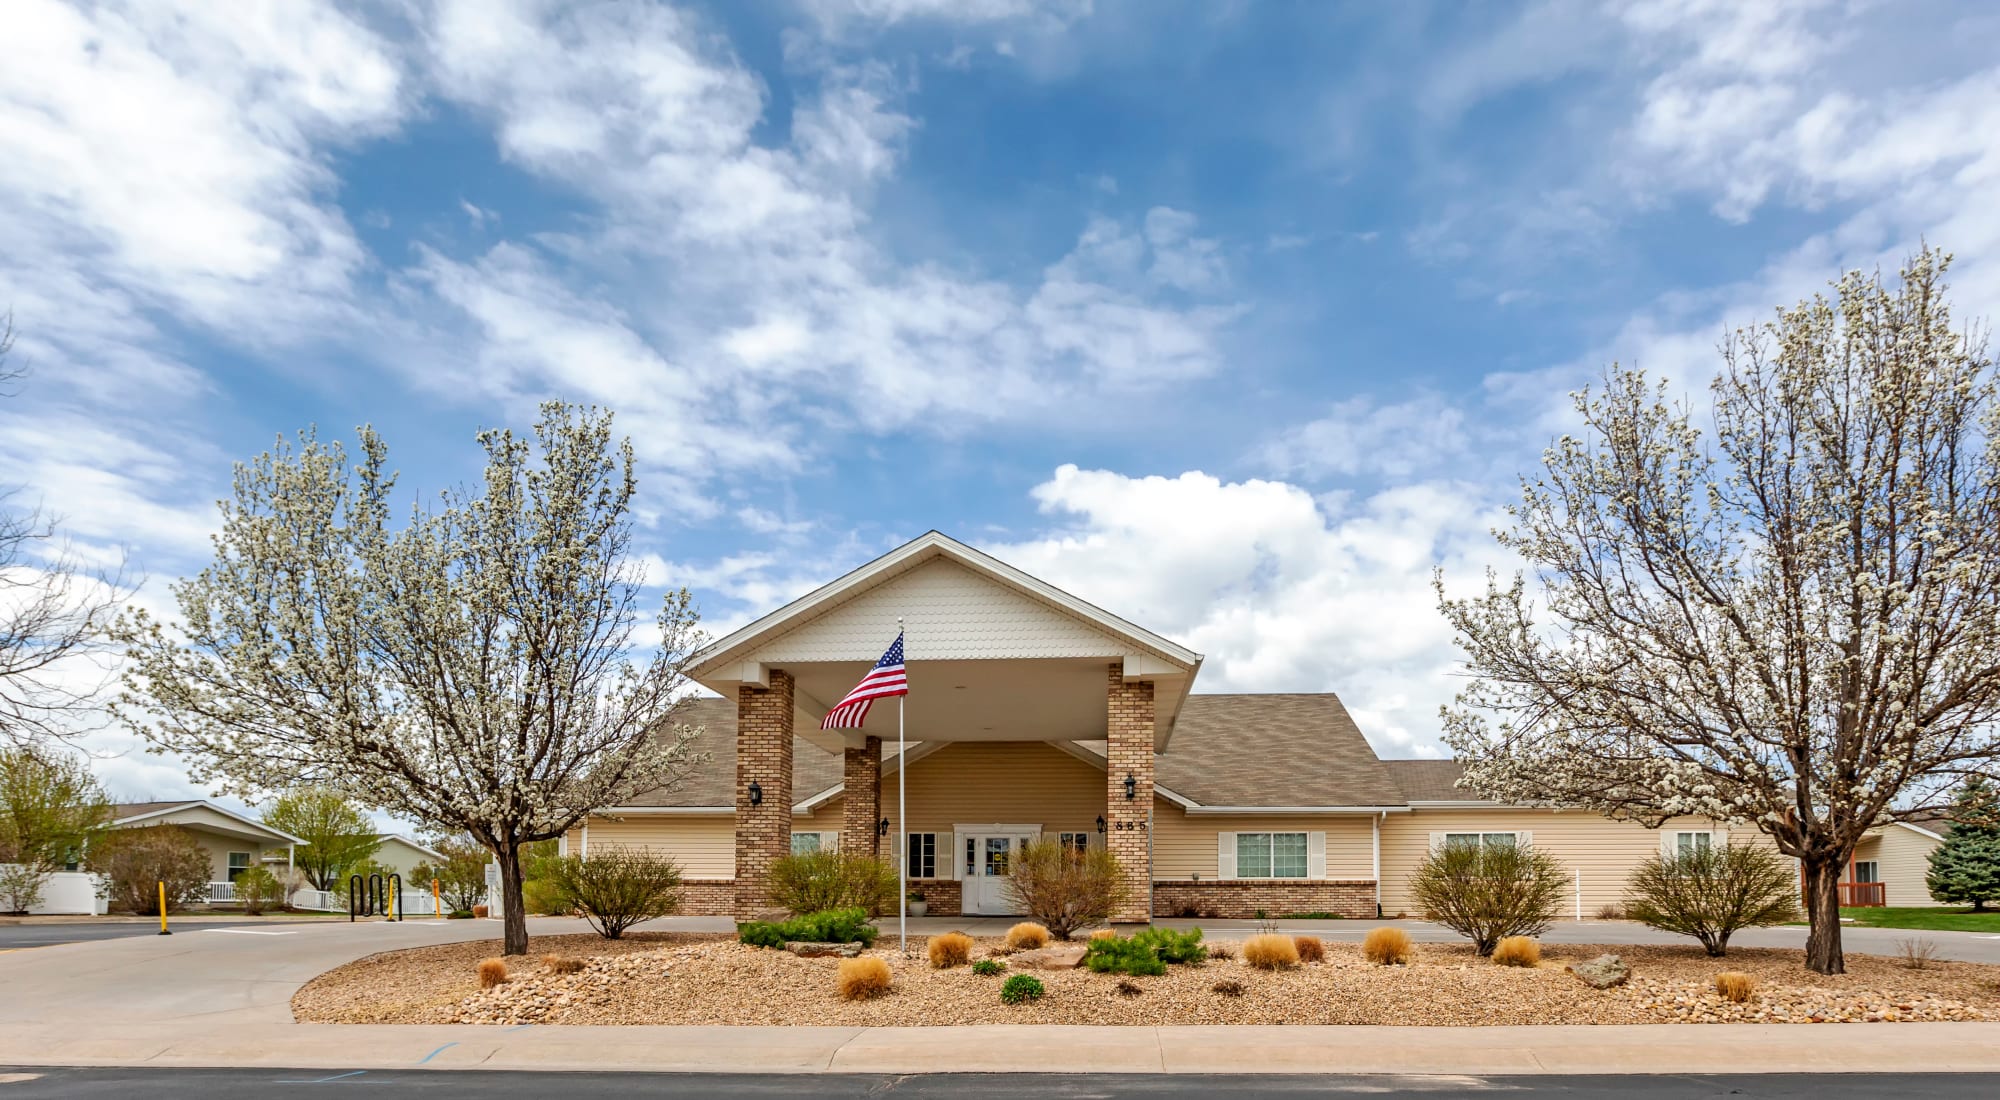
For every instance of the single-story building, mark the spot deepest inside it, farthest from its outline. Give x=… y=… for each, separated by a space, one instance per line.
x=1032 y=714
x=394 y=852
x=234 y=843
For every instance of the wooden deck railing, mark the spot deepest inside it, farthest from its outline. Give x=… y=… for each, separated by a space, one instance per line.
x=1863 y=894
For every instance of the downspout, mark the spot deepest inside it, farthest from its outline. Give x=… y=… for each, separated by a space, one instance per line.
x=1375 y=845
x=585 y=852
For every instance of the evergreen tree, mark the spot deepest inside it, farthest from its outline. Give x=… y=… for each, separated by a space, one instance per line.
x=1966 y=867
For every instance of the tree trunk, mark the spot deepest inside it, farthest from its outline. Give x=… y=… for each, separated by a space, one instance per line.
x=1822 y=883
x=513 y=913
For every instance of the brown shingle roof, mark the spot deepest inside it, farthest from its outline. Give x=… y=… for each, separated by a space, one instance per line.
x=122 y=810
x=1429 y=780
x=713 y=781
x=1272 y=750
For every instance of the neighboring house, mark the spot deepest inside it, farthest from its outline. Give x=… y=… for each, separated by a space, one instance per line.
x=1034 y=714
x=234 y=843
x=1890 y=863
x=397 y=853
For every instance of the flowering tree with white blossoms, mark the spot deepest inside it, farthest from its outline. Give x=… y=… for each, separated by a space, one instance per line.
x=473 y=669
x=1796 y=625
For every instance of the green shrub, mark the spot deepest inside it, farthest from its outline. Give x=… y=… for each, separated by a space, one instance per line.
x=460 y=914
x=540 y=898
x=1489 y=892
x=1020 y=989
x=832 y=926
x=813 y=882
x=616 y=887
x=1711 y=893
x=988 y=967
x=1113 y=955
x=1174 y=947
x=257 y=890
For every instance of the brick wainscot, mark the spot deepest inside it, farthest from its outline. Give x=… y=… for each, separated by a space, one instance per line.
x=1240 y=899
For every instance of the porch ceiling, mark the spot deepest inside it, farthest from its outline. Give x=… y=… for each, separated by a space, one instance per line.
x=1056 y=699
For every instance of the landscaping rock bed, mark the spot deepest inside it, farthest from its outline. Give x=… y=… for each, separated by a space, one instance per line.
x=696 y=979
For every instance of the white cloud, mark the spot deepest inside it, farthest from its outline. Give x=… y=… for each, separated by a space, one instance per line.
x=1398 y=441
x=1279 y=590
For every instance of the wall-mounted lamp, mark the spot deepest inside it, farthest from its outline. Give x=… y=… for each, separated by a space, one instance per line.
x=882 y=827
x=1131 y=787
x=757 y=794
x=1100 y=823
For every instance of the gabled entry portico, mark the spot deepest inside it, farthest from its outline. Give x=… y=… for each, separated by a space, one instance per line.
x=994 y=656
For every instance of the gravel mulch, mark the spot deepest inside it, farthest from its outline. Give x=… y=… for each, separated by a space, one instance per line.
x=668 y=978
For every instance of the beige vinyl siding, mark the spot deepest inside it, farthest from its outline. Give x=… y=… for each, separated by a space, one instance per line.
x=1185 y=845
x=1596 y=848
x=997 y=782
x=1902 y=858
x=218 y=848
x=703 y=844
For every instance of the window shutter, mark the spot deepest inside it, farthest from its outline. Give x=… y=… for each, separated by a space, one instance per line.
x=1719 y=837
x=1437 y=842
x=1315 y=855
x=1524 y=838
x=1225 y=855
x=829 y=842
x=1668 y=846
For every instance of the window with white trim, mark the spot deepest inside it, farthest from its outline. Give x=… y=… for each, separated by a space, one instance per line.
x=239 y=862
x=921 y=850
x=1074 y=843
x=1688 y=843
x=1270 y=855
x=1481 y=840
x=1866 y=871
x=804 y=843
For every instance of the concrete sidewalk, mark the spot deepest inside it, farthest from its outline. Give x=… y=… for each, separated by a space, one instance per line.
x=1485 y=1051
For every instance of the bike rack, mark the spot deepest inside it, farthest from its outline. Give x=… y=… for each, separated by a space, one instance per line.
x=371 y=897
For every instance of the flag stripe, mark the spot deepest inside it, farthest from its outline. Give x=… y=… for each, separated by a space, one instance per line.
x=885 y=679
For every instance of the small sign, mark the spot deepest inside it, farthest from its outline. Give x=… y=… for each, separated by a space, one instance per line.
x=493 y=876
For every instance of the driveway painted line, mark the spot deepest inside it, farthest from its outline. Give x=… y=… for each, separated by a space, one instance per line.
x=249 y=931
x=435 y=1053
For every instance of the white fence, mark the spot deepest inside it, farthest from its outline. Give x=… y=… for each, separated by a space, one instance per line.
x=410 y=903
x=69 y=893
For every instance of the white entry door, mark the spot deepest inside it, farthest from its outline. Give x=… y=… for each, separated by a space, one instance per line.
x=986 y=858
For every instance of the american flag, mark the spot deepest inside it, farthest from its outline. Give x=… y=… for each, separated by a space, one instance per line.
x=882 y=681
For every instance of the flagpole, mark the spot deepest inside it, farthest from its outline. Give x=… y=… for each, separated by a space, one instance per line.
x=902 y=825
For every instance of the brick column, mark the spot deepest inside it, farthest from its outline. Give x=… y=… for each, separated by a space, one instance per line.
x=1129 y=821
x=861 y=799
x=763 y=756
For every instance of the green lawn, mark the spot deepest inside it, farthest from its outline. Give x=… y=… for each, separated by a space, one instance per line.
x=1929 y=919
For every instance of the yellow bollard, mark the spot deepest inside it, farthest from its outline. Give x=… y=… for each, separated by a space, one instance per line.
x=394 y=897
x=163 y=910
x=437 y=899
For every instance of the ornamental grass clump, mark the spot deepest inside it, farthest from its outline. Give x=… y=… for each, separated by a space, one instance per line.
x=1386 y=947
x=1020 y=989
x=1711 y=893
x=492 y=972
x=949 y=950
x=1518 y=951
x=860 y=979
x=1487 y=892
x=560 y=964
x=1027 y=936
x=1310 y=949
x=1735 y=986
x=1271 y=951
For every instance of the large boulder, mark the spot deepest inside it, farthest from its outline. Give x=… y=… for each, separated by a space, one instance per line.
x=1602 y=972
x=823 y=950
x=1056 y=956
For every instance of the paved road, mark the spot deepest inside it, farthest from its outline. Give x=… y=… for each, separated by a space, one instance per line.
x=16 y=936
x=260 y=1084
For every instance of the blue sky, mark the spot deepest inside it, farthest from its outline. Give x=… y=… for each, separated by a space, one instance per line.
x=1235 y=318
